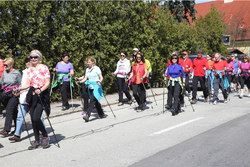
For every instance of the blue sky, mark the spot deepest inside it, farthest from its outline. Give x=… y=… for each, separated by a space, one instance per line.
x=201 y=1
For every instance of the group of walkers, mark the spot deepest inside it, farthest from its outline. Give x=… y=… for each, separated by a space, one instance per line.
x=29 y=92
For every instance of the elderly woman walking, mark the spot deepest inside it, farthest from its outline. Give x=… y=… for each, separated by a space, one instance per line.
x=38 y=97
x=11 y=79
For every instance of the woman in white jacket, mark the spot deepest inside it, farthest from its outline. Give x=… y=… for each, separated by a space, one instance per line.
x=122 y=71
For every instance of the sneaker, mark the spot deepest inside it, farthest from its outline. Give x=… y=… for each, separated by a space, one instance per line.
x=173 y=112
x=86 y=118
x=167 y=107
x=225 y=101
x=4 y=133
x=65 y=108
x=103 y=116
x=215 y=102
x=34 y=145
x=193 y=101
x=241 y=96
x=130 y=102
x=120 y=104
x=15 y=139
x=45 y=142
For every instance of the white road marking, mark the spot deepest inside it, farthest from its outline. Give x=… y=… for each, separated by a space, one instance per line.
x=176 y=126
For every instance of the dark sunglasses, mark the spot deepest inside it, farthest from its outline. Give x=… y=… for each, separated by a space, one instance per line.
x=34 y=57
x=174 y=58
x=123 y=55
x=6 y=65
x=138 y=57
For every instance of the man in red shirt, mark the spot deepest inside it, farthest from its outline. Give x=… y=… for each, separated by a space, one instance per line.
x=219 y=68
x=188 y=67
x=199 y=66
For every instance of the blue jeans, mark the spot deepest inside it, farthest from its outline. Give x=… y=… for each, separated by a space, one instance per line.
x=19 y=121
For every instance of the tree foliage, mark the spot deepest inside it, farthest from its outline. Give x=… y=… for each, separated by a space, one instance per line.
x=102 y=29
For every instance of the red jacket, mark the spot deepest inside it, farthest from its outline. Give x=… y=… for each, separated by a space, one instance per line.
x=198 y=65
x=138 y=70
x=187 y=64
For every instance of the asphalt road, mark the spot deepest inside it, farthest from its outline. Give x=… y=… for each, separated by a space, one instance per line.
x=213 y=135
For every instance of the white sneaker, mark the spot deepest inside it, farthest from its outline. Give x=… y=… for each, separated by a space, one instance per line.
x=215 y=102
x=225 y=101
x=241 y=95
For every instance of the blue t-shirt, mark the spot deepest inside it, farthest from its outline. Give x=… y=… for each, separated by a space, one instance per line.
x=175 y=71
x=93 y=74
x=64 y=69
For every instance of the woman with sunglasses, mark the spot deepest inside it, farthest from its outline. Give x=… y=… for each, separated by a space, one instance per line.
x=11 y=79
x=139 y=77
x=122 y=70
x=65 y=72
x=244 y=71
x=38 y=81
x=175 y=85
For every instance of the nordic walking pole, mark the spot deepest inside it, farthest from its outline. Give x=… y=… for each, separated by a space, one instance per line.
x=71 y=94
x=190 y=103
x=152 y=93
x=109 y=105
x=80 y=93
x=24 y=122
x=146 y=92
x=52 y=83
x=49 y=121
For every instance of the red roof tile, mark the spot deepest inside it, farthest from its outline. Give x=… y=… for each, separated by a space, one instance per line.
x=233 y=13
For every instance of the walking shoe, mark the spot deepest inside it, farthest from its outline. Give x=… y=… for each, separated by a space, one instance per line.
x=86 y=118
x=15 y=139
x=120 y=104
x=225 y=101
x=65 y=108
x=167 y=107
x=215 y=102
x=172 y=111
x=130 y=102
x=241 y=96
x=103 y=116
x=193 y=101
x=45 y=142
x=4 y=133
x=34 y=145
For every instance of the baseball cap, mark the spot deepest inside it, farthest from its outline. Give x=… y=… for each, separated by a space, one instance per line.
x=185 y=53
x=135 y=49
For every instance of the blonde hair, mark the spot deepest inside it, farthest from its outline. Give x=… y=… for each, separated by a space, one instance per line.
x=9 y=61
x=36 y=53
x=92 y=59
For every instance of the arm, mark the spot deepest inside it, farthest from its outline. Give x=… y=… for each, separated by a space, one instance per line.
x=101 y=79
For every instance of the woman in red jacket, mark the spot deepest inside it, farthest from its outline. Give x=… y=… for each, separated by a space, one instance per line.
x=138 y=76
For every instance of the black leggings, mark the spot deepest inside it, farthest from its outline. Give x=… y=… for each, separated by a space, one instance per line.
x=37 y=124
x=123 y=87
x=244 y=80
x=84 y=94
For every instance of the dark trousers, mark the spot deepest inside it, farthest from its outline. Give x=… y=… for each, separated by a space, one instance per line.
x=208 y=86
x=244 y=80
x=229 y=78
x=139 y=93
x=174 y=92
x=94 y=102
x=11 y=111
x=203 y=87
x=187 y=87
x=37 y=124
x=123 y=87
x=84 y=94
x=64 y=88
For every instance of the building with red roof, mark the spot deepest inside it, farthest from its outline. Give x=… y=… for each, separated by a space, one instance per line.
x=237 y=19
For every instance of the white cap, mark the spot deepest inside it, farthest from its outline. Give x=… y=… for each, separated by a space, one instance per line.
x=136 y=49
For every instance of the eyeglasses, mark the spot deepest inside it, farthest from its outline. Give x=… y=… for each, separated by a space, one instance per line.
x=138 y=57
x=122 y=55
x=33 y=57
x=6 y=65
x=174 y=58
